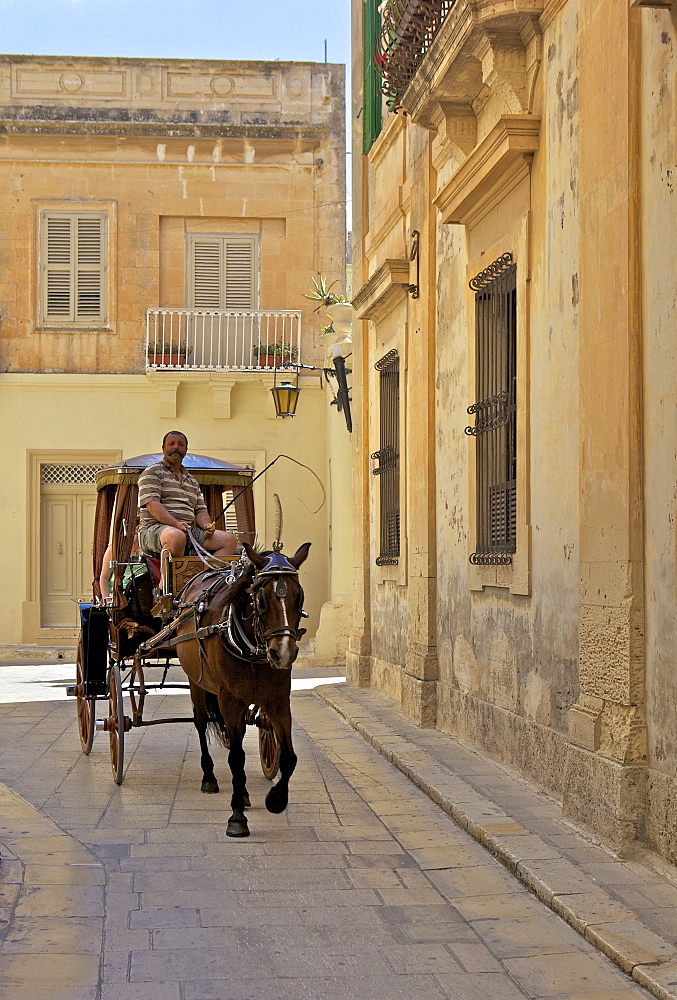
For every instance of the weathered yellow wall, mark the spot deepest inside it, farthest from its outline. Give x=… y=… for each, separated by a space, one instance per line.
x=166 y=147
x=89 y=413
x=561 y=663
x=659 y=317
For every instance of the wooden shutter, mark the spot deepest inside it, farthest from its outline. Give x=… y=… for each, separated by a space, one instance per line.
x=73 y=268
x=207 y=273
x=222 y=272
x=240 y=274
x=59 y=270
x=89 y=268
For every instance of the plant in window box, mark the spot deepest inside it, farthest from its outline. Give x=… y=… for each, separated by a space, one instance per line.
x=273 y=355
x=168 y=354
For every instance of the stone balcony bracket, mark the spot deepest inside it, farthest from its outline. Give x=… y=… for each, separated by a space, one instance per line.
x=387 y=286
x=218 y=384
x=483 y=62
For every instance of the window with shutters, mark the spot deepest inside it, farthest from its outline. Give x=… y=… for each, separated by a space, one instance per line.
x=388 y=458
x=73 y=268
x=495 y=412
x=223 y=272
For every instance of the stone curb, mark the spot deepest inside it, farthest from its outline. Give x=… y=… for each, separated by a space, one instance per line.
x=45 y=874
x=569 y=892
x=38 y=654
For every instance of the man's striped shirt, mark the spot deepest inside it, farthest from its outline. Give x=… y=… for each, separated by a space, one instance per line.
x=181 y=497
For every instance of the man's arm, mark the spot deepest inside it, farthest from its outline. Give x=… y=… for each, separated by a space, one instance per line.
x=202 y=520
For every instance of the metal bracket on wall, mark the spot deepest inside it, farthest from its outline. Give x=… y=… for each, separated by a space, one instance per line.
x=414 y=254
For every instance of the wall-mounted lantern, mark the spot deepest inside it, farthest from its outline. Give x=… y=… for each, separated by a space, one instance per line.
x=286 y=393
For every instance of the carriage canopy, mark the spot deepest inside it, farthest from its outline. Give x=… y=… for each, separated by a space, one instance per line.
x=118 y=496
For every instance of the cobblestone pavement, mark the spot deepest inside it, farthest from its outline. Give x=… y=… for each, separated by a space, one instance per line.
x=363 y=889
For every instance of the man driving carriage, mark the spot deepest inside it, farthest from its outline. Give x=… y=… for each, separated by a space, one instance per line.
x=172 y=507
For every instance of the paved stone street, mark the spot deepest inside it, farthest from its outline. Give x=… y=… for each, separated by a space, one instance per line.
x=363 y=889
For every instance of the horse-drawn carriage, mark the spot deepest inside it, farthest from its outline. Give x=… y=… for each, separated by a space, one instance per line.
x=232 y=623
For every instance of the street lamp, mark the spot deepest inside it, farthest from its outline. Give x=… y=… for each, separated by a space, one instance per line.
x=285 y=395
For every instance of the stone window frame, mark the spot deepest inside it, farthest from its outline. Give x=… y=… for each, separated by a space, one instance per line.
x=515 y=577
x=222 y=240
x=84 y=207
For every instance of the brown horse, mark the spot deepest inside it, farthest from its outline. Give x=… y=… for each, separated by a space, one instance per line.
x=244 y=643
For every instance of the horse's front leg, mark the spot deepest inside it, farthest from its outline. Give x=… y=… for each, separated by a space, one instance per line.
x=235 y=724
x=278 y=796
x=201 y=720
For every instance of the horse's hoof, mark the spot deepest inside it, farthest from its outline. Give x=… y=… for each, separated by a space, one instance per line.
x=276 y=801
x=247 y=801
x=237 y=827
x=209 y=785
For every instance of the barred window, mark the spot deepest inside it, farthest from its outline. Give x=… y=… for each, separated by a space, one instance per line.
x=73 y=268
x=495 y=428
x=388 y=457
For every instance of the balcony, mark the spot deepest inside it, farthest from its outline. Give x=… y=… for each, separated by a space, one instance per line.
x=408 y=30
x=203 y=340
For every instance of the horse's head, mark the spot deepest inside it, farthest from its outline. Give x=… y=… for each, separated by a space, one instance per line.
x=278 y=602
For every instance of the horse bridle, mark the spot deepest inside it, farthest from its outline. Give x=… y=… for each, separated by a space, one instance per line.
x=276 y=565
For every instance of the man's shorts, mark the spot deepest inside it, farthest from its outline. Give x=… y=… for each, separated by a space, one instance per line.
x=149 y=537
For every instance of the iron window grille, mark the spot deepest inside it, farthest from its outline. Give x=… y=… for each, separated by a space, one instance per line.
x=495 y=427
x=388 y=457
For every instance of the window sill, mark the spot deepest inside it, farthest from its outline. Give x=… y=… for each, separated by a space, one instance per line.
x=72 y=328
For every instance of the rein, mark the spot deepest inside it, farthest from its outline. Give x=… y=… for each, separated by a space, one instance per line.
x=231 y=629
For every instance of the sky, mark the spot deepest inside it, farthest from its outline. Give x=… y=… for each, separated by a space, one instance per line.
x=179 y=29
x=193 y=29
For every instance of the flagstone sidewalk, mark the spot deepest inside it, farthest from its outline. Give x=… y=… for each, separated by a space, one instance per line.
x=627 y=908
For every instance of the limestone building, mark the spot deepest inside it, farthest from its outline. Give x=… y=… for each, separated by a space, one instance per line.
x=514 y=275
x=160 y=221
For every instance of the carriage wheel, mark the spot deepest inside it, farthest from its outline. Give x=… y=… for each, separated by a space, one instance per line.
x=85 y=706
x=269 y=748
x=116 y=722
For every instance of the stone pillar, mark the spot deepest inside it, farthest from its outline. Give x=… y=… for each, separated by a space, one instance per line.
x=606 y=767
x=358 y=657
x=331 y=638
x=419 y=681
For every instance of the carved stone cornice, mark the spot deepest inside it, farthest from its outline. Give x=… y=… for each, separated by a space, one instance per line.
x=477 y=51
x=489 y=172
x=552 y=9
x=384 y=290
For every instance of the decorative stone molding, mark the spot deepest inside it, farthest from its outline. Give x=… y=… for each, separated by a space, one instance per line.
x=552 y=9
x=483 y=51
x=386 y=287
x=489 y=172
x=222 y=386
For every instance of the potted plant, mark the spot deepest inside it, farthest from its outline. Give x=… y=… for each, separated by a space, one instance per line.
x=273 y=355
x=322 y=293
x=168 y=354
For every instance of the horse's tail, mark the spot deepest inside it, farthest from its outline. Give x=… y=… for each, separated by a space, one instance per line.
x=215 y=722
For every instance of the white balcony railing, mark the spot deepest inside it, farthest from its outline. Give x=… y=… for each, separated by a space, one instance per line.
x=221 y=340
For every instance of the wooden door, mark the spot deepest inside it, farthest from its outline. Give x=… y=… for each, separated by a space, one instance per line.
x=67 y=527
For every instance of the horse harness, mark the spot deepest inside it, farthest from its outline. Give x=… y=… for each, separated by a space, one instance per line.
x=231 y=629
